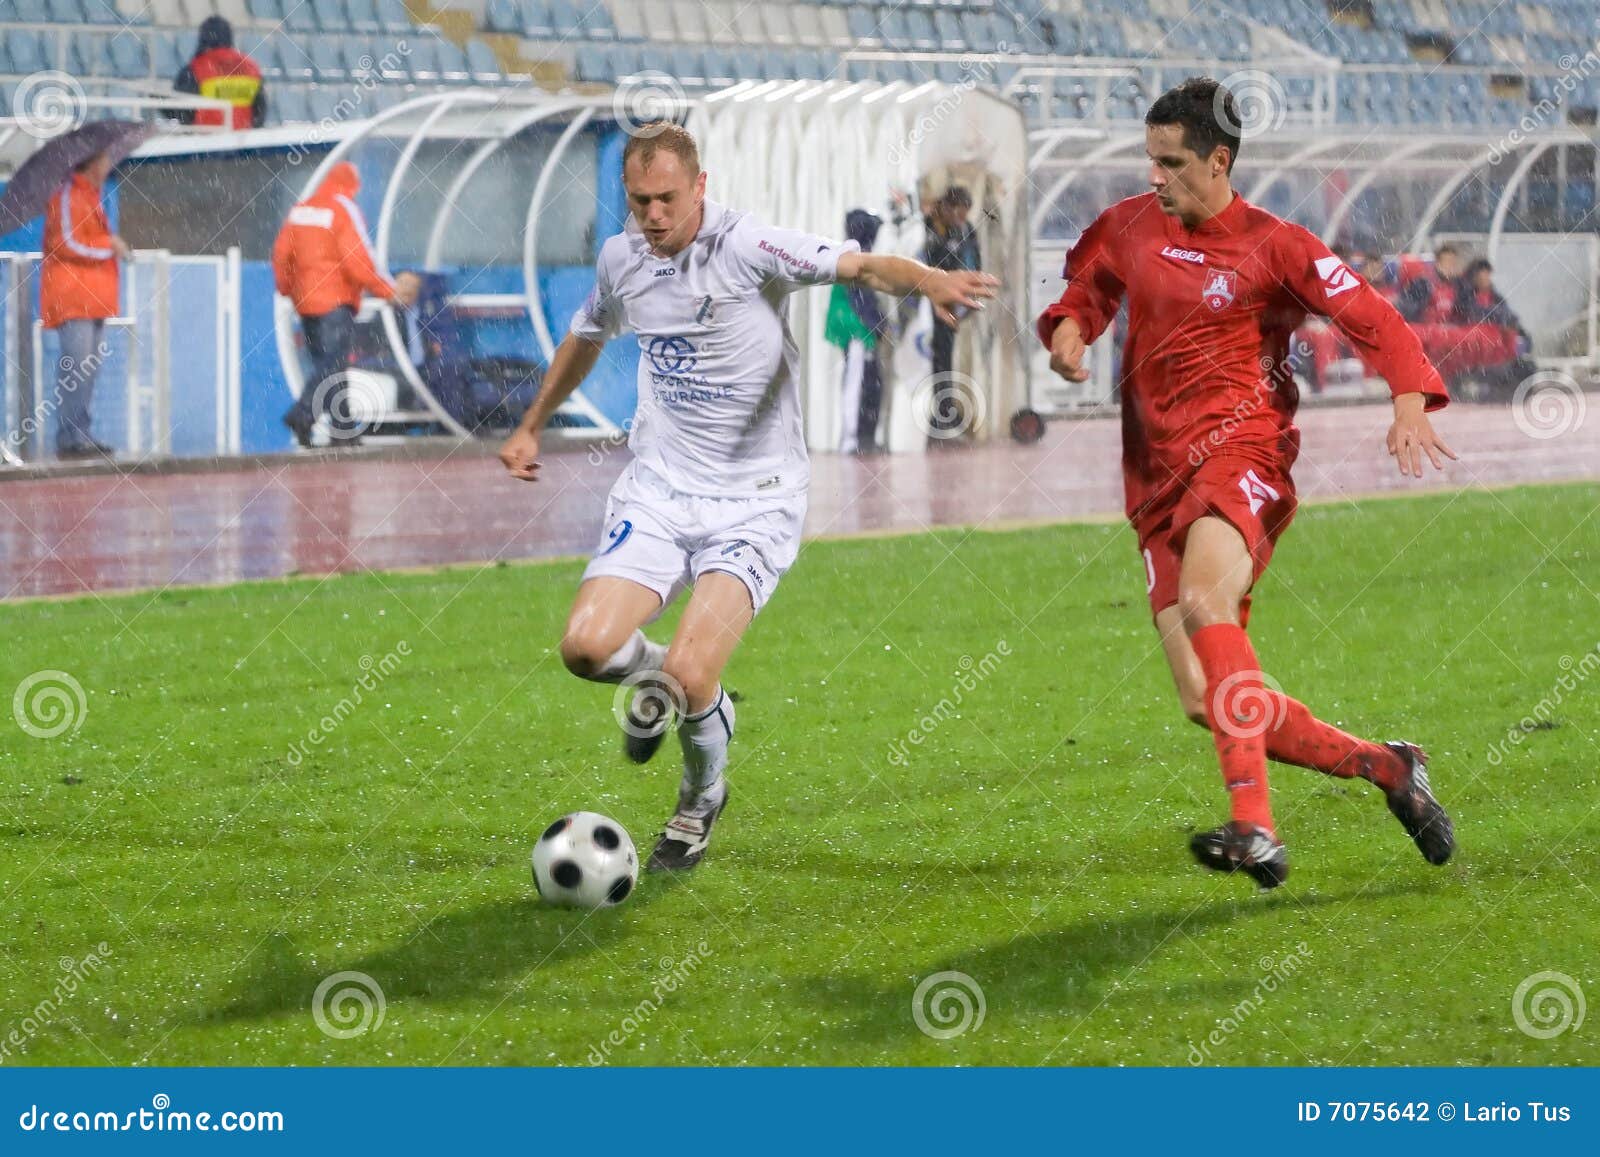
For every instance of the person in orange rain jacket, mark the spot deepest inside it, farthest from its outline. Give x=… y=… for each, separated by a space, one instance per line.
x=321 y=262
x=78 y=291
x=220 y=71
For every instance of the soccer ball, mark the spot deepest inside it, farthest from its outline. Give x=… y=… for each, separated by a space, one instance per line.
x=585 y=860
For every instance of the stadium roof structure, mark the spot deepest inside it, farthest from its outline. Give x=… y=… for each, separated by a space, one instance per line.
x=799 y=153
x=1319 y=176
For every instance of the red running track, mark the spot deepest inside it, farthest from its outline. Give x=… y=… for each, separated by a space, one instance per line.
x=71 y=535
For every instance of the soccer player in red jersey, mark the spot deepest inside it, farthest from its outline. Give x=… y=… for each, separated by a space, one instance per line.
x=1215 y=289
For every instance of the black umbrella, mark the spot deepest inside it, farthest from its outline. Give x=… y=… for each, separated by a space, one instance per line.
x=32 y=186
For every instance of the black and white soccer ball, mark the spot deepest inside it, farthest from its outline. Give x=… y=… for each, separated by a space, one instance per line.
x=585 y=860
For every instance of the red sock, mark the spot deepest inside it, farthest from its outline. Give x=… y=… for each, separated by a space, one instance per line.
x=1238 y=710
x=1298 y=737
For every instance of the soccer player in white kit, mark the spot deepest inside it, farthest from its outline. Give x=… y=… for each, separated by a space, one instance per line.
x=716 y=494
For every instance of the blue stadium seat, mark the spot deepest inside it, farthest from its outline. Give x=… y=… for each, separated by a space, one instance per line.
x=948 y=29
x=720 y=68
x=977 y=31
x=363 y=15
x=393 y=17
x=294 y=59
x=863 y=25
x=502 y=16
x=27 y=51
x=924 y=37
x=102 y=12
x=330 y=14
x=327 y=59
x=130 y=57
x=65 y=12
x=287 y=104
x=168 y=55
x=422 y=62
x=687 y=65
x=894 y=26
x=453 y=63
x=625 y=58
x=595 y=22
x=6 y=89
x=267 y=11
x=33 y=11
x=592 y=65
x=536 y=20
x=481 y=59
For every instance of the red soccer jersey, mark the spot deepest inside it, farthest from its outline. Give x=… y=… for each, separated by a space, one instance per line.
x=1211 y=311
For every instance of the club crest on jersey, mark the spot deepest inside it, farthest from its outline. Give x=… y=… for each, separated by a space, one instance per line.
x=1193 y=257
x=1219 y=288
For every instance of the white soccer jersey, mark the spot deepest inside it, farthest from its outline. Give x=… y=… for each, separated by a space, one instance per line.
x=719 y=400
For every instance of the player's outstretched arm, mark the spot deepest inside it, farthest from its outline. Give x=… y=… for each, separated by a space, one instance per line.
x=573 y=360
x=946 y=290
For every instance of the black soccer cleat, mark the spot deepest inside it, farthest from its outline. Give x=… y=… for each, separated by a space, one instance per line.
x=688 y=834
x=645 y=725
x=1413 y=804
x=1239 y=847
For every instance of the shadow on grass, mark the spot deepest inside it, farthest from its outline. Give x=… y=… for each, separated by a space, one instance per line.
x=458 y=954
x=1069 y=971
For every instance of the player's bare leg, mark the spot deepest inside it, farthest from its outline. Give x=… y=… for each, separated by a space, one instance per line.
x=604 y=642
x=715 y=620
x=1294 y=736
x=1213 y=581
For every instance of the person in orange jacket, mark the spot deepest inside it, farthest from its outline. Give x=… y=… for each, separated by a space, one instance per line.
x=322 y=262
x=220 y=71
x=78 y=290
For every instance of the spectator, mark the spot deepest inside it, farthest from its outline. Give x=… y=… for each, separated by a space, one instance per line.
x=222 y=72
x=321 y=262
x=1479 y=301
x=79 y=289
x=855 y=324
x=1430 y=297
x=950 y=243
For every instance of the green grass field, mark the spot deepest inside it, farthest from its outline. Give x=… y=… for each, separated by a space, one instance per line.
x=1035 y=840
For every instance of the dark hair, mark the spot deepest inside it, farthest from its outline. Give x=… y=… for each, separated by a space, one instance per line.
x=956 y=197
x=1447 y=247
x=1206 y=113
x=663 y=136
x=1477 y=266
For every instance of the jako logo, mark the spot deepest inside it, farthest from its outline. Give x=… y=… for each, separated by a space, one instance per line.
x=618 y=535
x=1257 y=492
x=786 y=256
x=1336 y=276
x=1188 y=255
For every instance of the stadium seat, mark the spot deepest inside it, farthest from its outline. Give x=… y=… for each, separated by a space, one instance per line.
x=775 y=19
x=481 y=59
x=625 y=14
x=6 y=90
x=168 y=57
x=502 y=16
x=327 y=59
x=864 y=28
x=129 y=57
x=287 y=104
x=453 y=63
x=687 y=65
x=948 y=29
x=687 y=19
x=720 y=70
x=133 y=11
x=593 y=65
x=596 y=22
x=294 y=59
x=423 y=60
x=28 y=51
x=65 y=11
x=102 y=12
x=267 y=12
x=393 y=17
x=747 y=24
x=835 y=27
x=362 y=15
x=537 y=21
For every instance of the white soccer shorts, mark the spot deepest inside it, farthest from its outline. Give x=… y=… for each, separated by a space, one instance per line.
x=665 y=540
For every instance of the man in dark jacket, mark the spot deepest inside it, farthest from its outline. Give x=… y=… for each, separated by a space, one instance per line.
x=220 y=71
x=950 y=243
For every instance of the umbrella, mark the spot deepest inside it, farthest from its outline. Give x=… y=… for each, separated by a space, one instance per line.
x=50 y=167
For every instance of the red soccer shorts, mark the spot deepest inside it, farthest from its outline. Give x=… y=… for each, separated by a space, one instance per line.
x=1258 y=501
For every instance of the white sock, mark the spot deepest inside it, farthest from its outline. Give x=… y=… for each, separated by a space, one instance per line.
x=637 y=654
x=705 y=737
